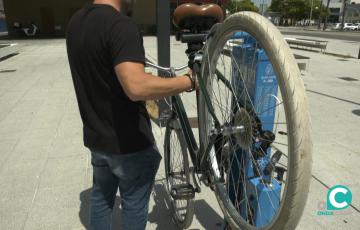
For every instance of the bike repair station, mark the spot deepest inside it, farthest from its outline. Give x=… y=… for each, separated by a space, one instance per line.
x=265 y=81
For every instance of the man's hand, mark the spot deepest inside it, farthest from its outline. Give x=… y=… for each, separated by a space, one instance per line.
x=194 y=81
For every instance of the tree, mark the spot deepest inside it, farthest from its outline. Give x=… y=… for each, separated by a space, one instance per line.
x=292 y=10
x=318 y=6
x=296 y=10
x=234 y=6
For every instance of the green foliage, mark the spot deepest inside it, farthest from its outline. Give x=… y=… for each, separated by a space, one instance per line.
x=298 y=9
x=234 y=6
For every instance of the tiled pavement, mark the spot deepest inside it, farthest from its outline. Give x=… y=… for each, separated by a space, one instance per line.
x=45 y=174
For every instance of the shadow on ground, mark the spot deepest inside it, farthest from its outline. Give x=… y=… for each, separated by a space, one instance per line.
x=84 y=213
x=160 y=215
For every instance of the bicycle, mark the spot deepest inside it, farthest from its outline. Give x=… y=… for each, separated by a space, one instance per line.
x=254 y=148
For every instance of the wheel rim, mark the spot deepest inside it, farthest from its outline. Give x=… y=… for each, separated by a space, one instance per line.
x=235 y=108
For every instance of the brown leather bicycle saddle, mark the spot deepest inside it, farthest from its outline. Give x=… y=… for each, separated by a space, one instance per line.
x=203 y=17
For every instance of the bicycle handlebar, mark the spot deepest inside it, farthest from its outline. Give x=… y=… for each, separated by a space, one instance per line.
x=166 y=69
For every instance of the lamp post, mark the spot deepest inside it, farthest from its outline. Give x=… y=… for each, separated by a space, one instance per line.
x=316 y=8
x=319 y=22
x=311 y=10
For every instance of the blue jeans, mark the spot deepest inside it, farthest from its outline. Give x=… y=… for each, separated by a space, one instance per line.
x=134 y=175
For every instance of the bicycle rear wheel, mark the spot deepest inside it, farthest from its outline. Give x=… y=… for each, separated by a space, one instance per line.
x=261 y=173
x=177 y=170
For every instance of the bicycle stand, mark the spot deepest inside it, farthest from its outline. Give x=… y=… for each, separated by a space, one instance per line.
x=263 y=194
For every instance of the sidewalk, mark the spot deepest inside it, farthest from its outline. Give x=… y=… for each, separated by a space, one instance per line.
x=45 y=173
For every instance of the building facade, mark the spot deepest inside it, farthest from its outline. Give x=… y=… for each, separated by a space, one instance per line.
x=352 y=13
x=52 y=16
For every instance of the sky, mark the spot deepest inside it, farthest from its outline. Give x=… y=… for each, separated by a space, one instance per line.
x=258 y=2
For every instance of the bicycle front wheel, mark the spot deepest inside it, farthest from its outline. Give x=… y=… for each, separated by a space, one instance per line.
x=177 y=171
x=260 y=162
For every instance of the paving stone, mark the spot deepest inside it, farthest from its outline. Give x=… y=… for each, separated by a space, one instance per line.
x=45 y=171
x=58 y=218
x=7 y=147
x=17 y=191
x=12 y=220
x=64 y=171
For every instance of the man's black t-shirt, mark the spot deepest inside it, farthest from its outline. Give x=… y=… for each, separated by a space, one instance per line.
x=98 y=38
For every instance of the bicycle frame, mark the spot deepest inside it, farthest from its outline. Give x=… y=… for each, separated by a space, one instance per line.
x=197 y=155
x=236 y=155
x=179 y=109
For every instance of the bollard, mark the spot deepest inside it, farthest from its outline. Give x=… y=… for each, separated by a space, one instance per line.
x=359 y=54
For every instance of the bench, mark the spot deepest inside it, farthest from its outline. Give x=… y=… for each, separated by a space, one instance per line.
x=302 y=61
x=8 y=50
x=307 y=43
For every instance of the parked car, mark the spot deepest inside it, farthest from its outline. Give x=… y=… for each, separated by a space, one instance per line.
x=337 y=26
x=357 y=25
x=347 y=26
x=350 y=26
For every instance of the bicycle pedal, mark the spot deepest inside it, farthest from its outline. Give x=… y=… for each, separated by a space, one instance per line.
x=182 y=192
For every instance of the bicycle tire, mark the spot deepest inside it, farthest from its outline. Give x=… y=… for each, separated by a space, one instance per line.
x=183 y=219
x=296 y=113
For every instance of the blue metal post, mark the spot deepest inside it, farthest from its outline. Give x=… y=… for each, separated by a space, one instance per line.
x=259 y=79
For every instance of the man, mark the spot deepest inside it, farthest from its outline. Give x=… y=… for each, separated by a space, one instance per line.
x=106 y=57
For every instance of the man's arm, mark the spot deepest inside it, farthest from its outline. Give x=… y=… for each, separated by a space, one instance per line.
x=140 y=86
